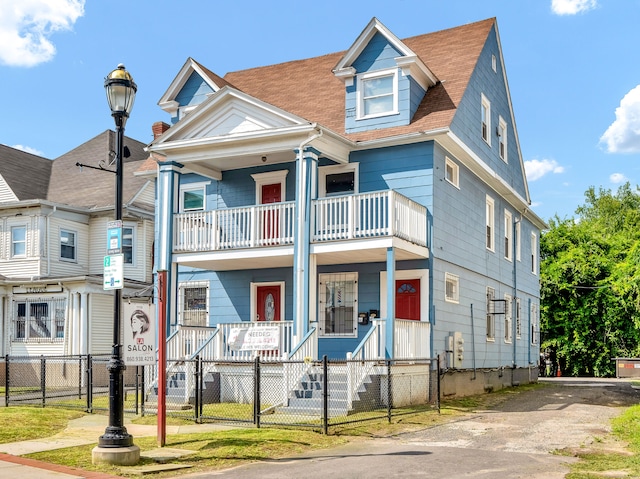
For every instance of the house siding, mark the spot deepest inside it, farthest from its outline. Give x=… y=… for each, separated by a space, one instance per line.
x=100 y=323
x=194 y=91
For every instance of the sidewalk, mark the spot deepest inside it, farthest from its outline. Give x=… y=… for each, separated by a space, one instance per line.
x=81 y=431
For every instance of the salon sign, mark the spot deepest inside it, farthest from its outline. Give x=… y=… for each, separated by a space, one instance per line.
x=139 y=345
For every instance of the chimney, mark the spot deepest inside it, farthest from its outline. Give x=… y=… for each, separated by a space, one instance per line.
x=158 y=128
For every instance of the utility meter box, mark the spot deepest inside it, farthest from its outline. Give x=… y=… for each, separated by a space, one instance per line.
x=458 y=350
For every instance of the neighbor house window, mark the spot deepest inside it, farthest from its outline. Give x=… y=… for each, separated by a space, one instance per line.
x=491 y=324
x=502 y=138
x=508 y=319
x=485 y=116
x=378 y=94
x=338 y=296
x=127 y=244
x=452 y=172
x=508 y=235
x=490 y=221
x=18 y=241
x=451 y=288
x=192 y=197
x=193 y=307
x=68 y=245
x=39 y=319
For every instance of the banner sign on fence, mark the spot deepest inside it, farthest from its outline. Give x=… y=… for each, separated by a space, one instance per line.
x=264 y=338
x=139 y=334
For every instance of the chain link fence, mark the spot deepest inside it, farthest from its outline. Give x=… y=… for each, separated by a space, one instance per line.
x=302 y=394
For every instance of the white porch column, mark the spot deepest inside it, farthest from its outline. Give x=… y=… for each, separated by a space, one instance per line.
x=84 y=323
x=390 y=325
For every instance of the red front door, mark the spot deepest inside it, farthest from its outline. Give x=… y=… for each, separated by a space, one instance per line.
x=268 y=307
x=408 y=299
x=271 y=194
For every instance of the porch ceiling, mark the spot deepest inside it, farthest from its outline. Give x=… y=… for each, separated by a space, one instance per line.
x=339 y=252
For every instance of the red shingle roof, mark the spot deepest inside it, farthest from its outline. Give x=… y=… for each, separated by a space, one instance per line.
x=309 y=89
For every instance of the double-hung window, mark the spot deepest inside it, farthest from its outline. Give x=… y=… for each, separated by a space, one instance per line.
x=193 y=304
x=502 y=138
x=534 y=253
x=508 y=235
x=338 y=301
x=490 y=222
x=127 y=244
x=68 y=247
x=485 y=117
x=508 y=319
x=451 y=288
x=452 y=173
x=192 y=197
x=378 y=94
x=19 y=241
x=491 y=324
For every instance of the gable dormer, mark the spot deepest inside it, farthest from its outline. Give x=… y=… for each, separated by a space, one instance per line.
x=191 y=87
x=385 y=81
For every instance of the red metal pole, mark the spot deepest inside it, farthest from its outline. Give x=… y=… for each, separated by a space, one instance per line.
x=162 y=358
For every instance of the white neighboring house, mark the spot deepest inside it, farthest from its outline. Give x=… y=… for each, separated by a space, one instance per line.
x=53 y=239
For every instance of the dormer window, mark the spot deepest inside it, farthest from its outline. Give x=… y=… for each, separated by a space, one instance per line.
x=378 y=94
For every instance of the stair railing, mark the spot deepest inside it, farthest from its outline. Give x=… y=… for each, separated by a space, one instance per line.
x=300 y=360
x=362 y=360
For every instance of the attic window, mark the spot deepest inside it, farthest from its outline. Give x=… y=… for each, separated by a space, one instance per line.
x=377 y=94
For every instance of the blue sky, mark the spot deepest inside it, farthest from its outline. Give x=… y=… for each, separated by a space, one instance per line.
x=573 y=69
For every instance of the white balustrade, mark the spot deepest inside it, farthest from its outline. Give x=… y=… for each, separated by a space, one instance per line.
x=229 y=353
x=412 y=339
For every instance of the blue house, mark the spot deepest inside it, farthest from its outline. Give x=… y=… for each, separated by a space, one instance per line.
x=370 y=203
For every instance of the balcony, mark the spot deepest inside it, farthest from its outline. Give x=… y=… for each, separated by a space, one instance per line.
x=349 y=221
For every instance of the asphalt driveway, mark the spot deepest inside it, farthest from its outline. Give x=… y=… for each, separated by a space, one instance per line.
x=512 y=440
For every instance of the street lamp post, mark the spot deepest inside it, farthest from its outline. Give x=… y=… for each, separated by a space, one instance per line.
x=115 y=446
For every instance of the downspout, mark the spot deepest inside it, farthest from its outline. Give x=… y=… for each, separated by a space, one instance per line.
x=300 y=239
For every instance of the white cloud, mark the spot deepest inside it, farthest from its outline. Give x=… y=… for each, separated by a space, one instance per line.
x=623 y=135
x=26 y=25
x=617 y=178
x=572 y=7
x=27 y=149
x=536 y=169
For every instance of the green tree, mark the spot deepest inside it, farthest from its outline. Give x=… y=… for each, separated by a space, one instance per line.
x=590 y=283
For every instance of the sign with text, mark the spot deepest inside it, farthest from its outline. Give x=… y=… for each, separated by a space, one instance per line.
x=139 y=334
x=114 y=237
x=264 y=338
x=113 y=272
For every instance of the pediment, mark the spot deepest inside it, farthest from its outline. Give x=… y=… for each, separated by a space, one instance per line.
x=230 y=113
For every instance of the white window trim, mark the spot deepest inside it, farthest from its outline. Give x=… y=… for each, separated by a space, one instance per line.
x=325 y=171
x=490 y=222
x=133 y=243
x=448 y=162
x=508 y=235
x=270 y=178
x=75 y=245
x=349 y=276
x=26 y=230
x=192 y=284
x=489 y=316
x=534 y=254
x=254 y=299
x=202 y=185
x=422 y=275
x=360 y=93
x=508 y=319
x=502 y=138
x=487 y=105
x=455 y=281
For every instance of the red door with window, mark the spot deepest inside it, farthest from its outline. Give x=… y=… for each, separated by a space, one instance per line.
x=271 y=194
x=408 y=299
x=268 y=307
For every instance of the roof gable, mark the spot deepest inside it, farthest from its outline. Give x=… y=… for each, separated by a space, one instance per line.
x=170 y=100
x=25 y=174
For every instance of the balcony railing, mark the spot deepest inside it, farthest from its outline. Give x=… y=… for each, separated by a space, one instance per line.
x=367 y=215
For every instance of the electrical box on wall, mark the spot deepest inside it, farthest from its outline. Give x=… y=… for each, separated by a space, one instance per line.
x=458 y=350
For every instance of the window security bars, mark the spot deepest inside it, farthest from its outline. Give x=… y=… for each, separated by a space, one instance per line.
x=39 y=319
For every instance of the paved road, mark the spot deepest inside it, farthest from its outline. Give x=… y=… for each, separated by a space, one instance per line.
x=512 y=440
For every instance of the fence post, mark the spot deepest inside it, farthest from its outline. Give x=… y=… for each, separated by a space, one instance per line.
x=438 y=384
x=325 y=395
x=197 y=391
x=389 y=392
x=43 y=379
x=6 y=381
x=79 y=376
x=137 y=386
x=89 y=384
x=256 y=392
x=143 y=391
x=201 y=409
